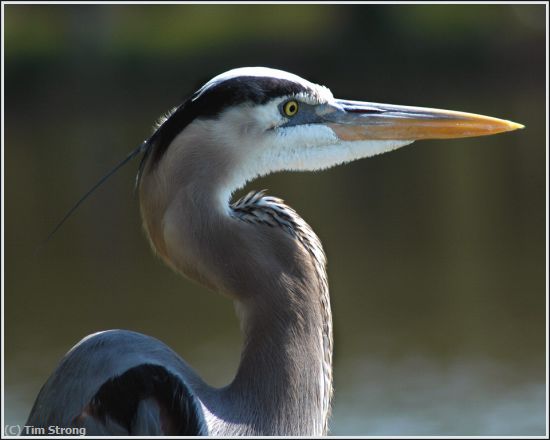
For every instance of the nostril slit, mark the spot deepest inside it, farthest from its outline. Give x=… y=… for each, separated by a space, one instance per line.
x=364 y=110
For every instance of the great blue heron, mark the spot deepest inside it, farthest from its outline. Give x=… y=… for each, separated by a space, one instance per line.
x=241 y=124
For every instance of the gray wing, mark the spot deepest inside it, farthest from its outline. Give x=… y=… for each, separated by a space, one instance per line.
x=119 y=382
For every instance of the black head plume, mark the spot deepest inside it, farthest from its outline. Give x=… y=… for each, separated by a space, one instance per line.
x=142 y=148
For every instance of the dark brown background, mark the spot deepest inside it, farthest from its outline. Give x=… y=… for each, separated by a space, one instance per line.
x=436 y=251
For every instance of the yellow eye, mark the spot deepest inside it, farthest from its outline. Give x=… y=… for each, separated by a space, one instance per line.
x=290 y=108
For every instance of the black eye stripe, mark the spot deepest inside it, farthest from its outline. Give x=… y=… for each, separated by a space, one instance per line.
x=209 y=103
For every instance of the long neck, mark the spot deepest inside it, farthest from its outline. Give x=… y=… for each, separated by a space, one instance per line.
x=278 y=280
x=283 y=383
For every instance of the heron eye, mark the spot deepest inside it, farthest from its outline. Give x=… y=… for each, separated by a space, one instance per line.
x=290 y=108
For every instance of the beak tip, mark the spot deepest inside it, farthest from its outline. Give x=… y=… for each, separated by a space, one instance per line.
x=511 y=126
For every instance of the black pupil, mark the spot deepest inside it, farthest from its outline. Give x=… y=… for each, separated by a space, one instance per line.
x=291 y=107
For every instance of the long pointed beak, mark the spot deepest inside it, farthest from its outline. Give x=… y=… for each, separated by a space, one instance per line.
x=355 y=120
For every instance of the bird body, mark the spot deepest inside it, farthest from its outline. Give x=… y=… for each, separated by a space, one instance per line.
x=68 y=400
x=257 y=251
x=287 y=353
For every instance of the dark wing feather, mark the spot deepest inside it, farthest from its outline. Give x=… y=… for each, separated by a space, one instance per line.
x=144 y=400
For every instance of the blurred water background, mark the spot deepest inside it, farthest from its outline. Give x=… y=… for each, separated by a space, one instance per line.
x=436 y=251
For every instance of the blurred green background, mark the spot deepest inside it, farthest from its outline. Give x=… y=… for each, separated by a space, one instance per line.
x=436 y=251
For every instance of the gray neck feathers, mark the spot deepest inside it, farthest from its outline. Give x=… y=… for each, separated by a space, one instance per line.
x=263 y=255
x=292 y=340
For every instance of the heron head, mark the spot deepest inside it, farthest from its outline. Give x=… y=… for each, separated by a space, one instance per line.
x=264 y=120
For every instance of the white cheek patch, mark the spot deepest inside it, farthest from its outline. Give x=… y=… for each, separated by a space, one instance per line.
x=307 y=135
x=299 y=147
x=246 y=122
x=267 y=116
x=317 y=147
